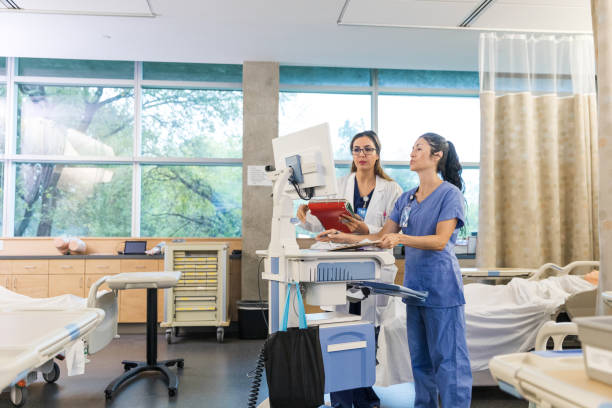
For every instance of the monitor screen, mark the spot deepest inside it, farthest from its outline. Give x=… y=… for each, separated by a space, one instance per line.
x=310 y=150
x=135 y=247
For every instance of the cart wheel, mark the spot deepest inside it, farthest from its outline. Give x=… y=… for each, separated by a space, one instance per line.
x=171 y=392
x=220 y=334
x=169 y=336
x=18 y=396
x=53 y=375
x=176 y=331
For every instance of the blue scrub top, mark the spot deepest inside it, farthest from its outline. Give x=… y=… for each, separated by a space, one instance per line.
x=434 y=271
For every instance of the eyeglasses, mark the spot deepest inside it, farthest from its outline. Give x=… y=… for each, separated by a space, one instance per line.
x=366 y=150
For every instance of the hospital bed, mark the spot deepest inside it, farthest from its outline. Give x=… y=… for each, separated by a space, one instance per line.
x=36 y=331
x=500 y=319
x=551 y=377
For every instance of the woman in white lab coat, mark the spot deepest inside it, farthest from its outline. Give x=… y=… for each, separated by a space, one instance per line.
x=373 y=194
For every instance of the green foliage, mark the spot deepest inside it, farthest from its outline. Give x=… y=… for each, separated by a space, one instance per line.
x=104 y=114
x=191 y=201
x=192 y=123
x=176 y=200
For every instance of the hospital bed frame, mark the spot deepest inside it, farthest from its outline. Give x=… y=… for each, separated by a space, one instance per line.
x=577 y=305
x=96 y=335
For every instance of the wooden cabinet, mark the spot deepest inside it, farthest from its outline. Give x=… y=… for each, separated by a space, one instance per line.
x=67 y=284
x=31 y=285
x=133 y=305
x=102 y=266
x=138 y=265
x=133 y=302
x=54 y=277
x=91 y=279
x=30 y=267
x=5 y=280
x=66 y=266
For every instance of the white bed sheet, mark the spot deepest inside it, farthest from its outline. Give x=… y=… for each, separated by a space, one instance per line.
x=500 y=319
x=11 y=301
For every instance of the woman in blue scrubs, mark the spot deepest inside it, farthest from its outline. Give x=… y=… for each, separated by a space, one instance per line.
x=430 y=217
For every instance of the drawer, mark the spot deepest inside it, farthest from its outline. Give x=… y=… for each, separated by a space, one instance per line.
x=195 y=315
x=66 y=267
x=207 y=303
x=102 y=266
x=138 y=265
x=5 y=267
x=348 y=356
x=30 y=267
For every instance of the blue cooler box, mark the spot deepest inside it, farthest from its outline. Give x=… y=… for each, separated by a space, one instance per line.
x=349 y=355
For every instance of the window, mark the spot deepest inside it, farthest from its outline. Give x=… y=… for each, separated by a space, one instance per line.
x=87 y=200
x=346 y=114
x=2 y=116
x=89 y=162
x=194 y=201
x=69 y=68
x=408 y=103
x=191 y=123
x=75 y=121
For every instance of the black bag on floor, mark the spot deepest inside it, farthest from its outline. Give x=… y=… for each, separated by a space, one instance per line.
x=294 y=363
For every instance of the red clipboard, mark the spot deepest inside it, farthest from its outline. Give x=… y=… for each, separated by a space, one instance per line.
x=329 y=211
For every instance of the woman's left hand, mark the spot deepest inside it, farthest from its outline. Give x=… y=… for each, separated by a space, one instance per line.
x=355 y=224
x=390 y=240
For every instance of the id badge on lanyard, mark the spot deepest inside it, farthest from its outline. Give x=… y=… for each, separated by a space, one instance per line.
x=361 y=211
x=406 y=213
x=405 y=216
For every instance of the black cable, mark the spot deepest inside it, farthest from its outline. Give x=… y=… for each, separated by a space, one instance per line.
x=259 y=292
x=257 y=373
x=254 y=394
x=309 y=191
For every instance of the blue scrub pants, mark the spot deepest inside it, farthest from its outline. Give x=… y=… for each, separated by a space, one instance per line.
x=439 y=356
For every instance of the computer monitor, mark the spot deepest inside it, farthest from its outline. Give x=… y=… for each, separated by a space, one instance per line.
x=309 y=152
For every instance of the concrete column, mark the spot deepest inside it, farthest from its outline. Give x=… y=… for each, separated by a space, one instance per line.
x=260 y=124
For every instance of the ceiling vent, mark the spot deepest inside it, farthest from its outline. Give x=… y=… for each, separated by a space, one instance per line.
x=125 y=8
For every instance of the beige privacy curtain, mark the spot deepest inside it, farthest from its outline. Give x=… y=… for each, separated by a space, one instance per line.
x=538 y=160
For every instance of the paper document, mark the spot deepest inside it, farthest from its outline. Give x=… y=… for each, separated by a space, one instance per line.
x=256 y=176
x=360 y=245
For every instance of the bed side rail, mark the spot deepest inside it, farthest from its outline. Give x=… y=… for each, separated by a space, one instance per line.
x=542 y=271
x=557 y=331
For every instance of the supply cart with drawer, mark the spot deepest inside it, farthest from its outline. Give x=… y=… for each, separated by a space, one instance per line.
x=201 y=297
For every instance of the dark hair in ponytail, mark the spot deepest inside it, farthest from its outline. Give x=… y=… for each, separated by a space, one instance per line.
x=448 y=166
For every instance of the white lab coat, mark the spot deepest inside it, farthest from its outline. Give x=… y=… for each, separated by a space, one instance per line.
x=383 y=200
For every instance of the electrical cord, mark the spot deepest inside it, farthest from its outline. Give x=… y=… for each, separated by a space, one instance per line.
x=257 y=373
x=254 y=394
x=259 y=293
x=306 y=195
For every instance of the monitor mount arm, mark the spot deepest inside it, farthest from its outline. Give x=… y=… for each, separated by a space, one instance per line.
x=282 y=238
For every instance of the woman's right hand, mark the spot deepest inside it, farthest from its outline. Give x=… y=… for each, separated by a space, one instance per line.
x=332 y=235
x=301 y=212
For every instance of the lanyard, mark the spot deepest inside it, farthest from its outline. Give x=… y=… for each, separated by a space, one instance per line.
x=406 y=211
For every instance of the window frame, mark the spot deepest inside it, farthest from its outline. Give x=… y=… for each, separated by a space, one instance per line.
x=10 y=159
